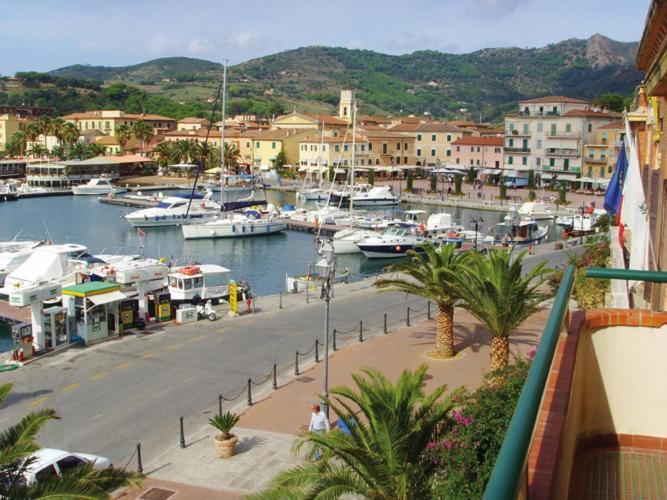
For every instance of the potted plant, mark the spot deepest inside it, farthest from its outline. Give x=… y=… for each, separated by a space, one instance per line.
x=225 y=441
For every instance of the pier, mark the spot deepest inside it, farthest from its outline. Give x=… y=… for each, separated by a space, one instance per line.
x=127 y=202
x=309 y=227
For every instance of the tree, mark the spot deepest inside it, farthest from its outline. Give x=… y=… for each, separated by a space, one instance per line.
x=531 y=179
x=44 y=126
x=57 y=125
x=472 y=174
x=143 y=131
x=503 y=190
x=434 y=183
x=59 y=152
x=497 y=292
x=70 y=133
x=531 y=195
x=38 y=150
x=429 y=275
x=17 y=144
x=94 y=149
x=371 y=176
x=166 y=153
x=17 y=447
x=409 y=180
x=77 y=151
x=279 y=163
x=331 y=173
x=186 y=150
x=123 y=133
x=611 y=102
x=562 y=194
x=232 y=155
x=382 y=456
x=458 y=184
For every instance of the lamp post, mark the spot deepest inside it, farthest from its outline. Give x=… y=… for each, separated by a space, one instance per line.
x=326 y=268
x=581 y=228
x=475 y=224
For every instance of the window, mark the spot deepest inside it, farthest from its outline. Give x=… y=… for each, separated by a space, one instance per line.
x=433 y=152
x=273 y=146
x=566 y=164
x=46 y=473
x=539 y=144
x=524 y=160
x=398 y=146
x=478 y=149
x=510 y=160
x=497 y=164
x=477 y=162
x=405 y=160
x=247 y=145
x=363 y=147
x=419 y=137
x=511 y=126
x=346 y=147
x=590 y=127
x=457 y=160
x=257 y=145
x=604 y=137
x=496 y=150
x=68 y=463
x=526 y=110
x=525 y=128
x=324 y=147
x=609 y=170
x=370 y=146
x=552 y=162
x=591 y=153
x=553 y=129
x=449 y=138
x=458 y=148
x=511 y=143
x=405 y=146
x=554 y=110
x=524 y=145
x=601 y=171
x=398 y=160
x=568 y=127
x=106 y=124
x=345 y=162
x=472 y=149
x=362 y=161
x=433 y=137
x=419 y=152
x=448 y=152
x=539 y=127
x=538 y=161
x=590 y=171
x=384 y=148
x=337 y=148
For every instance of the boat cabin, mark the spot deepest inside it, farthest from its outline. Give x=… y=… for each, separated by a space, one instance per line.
x=196 y=283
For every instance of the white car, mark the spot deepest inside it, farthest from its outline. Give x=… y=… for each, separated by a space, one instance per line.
x=51 y=462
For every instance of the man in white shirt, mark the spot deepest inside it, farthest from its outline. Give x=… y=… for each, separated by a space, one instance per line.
x=318 y=420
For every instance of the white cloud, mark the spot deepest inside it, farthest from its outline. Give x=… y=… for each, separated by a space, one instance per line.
x=161 y=44
x=201 y=46
x=245 y=40
x=493 y=9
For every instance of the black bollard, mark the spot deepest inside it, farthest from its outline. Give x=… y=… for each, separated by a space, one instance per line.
x=317 y=351
x=361 y=331
x=280 y=299
x=249 y=392
x=385 y=323
x=140 y=467
x=333 y=345
x=220 y=404
x=428 y=310
x=182 y=443
x=296 y=363
x=307 y=294
x=407 y=318
x=275 y=376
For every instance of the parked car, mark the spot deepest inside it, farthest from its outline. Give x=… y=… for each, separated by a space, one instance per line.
x=50 y=462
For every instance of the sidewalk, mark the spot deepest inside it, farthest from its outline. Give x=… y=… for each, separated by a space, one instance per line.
x=267 y=429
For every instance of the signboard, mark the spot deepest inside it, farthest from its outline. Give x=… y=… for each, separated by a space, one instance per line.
x=28 y=296
x=233 y=303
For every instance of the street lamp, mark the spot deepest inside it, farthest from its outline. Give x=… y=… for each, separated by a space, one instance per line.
x=475 y=224
x=326 y=268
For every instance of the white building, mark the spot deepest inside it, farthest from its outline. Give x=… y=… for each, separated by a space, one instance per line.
x=548 y=134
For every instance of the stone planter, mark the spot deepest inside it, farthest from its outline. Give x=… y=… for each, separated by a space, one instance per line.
x=226 y=447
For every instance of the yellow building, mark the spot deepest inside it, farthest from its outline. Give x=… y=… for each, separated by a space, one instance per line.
x=310 y=121
x=9 y=125
x=433 y=140
x=192 y=124
x=267 y=144
x=107 y=121
x=599 y=158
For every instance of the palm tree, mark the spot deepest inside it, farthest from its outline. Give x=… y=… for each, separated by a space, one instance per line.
x=78 y=151
x=94 y=149
x=44 y=126
x=17 y=446
x=38 y=150
x=32 y=131
x=232 y=155
x=70 y=133
x=428 y=273
x=59 y=151
x=57 y=125
x=123 y=133
x=17 y=144
x=497 y=292
x=165 y=153
x=382 y=456
x=143 y=131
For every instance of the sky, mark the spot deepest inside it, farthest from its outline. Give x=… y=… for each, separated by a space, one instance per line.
x=41 y=35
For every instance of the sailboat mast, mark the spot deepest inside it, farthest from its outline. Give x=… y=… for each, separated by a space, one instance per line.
x=222 y=133
x=354 y=147
x=321 y=171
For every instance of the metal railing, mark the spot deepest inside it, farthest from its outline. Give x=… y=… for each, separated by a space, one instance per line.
x=509 y=478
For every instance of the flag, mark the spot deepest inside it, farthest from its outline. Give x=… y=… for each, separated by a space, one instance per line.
x=614 y=191
x=141 y=232
x=633 y=212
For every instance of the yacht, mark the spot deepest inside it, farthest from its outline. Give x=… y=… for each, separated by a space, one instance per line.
x=129 y=271
x=536 y=210
x=97 y=186
x=235 y=190
x=442 y=223
x=363 y=195
x=346 y=240
x=8 y=191
x=312 y=194
x=172 y=210
x=394 y=242
x=234 y=225
x=515 y=230
x=13 y=254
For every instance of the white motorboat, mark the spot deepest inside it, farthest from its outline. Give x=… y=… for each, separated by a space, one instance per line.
x=536 y=210
x=197 y=283
x=346 y=240
x=234 y=190
x=442 y=223
x=8 y=191
x=97 y=186
x=363 y=195
x=234 y=225
x=172 y=210
x=394 y=242
x=312 y=194
x=132 y=272
x=515 y=230
x=13 y=254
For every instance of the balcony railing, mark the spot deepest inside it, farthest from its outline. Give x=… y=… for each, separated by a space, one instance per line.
x=516 y=150
x=575 y=169
x=539 y=114
x=566 y=135
x=509 y=478
x=561 y=152
x=518 y=133
x=590 y=159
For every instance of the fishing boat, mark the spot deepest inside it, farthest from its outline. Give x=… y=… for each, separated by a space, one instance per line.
x=515 y=230
x=197 y=283
x=296 y=284
x=235 y=225
x=174 y=211
x=97 y=186
x=394 y=242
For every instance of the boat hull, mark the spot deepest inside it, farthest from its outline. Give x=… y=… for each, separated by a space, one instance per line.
x=385 y=250
x=236 y=230
x=168 y=220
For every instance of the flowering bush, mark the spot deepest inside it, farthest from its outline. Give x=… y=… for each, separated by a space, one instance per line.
x=465 y=456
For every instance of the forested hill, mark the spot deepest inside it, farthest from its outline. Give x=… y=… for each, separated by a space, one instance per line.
x=488 y=81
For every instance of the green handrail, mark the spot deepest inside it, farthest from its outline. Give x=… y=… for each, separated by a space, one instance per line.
x=513 y=453
x=626 y=274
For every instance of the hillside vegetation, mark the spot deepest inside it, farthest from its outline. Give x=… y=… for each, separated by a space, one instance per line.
x=487 y=82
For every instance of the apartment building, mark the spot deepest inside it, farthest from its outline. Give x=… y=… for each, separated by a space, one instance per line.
x=548 y=135
x=433 y=140
x=600 y=155
x=479 y=152
x=9 y=125
x=107 y=121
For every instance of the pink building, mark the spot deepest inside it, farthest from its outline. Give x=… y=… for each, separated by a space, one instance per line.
x=482 y=152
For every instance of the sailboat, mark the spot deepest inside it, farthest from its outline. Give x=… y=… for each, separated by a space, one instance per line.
x=233 y=225
x=315 y=193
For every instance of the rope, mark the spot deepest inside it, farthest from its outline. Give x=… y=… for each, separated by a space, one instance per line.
x=414 y=309
x=354 y=329
x=131 y=457
x=237 y=396
x=267 y=377
x=306 y=353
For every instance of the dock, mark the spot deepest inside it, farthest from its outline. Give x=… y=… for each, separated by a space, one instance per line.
x=309 y=227
x=127 y=202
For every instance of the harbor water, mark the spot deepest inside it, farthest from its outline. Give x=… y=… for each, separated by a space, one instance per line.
x=261 y=261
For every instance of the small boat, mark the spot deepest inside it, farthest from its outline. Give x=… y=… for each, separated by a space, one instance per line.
x=197 y=283
x=536 y=210
x=8 y=191
x=312 y=194
x=172 y=210
x=97 y=186
x=296 y=284
x=345 y=241
x=363 y=195
x=442 y=223
x=515 y=230
x=234 y=225
x=394 y=242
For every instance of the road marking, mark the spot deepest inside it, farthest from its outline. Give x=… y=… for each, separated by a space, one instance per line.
x=38 y=402
x=197 y=338
x=98 y=376
x=70 y=387
x=173 y=347
x=122 y=366
x=148 y=355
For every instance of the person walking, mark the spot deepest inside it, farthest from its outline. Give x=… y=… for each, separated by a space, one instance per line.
x=319 y=423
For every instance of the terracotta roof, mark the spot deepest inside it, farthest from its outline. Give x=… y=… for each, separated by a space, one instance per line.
x=468 y=124
x=493 y=131
x=316 y=139
x=410 y=119
x=589 y=113
x=373 y=118
x=274 y=135
x=618 y=124
x=326 y=119
x=200 y=132
x=202 y=121
x=405 y=127
x=553 y=98
x=479 y=141
x=439 y=127
x=384 y=133
x=97 y=115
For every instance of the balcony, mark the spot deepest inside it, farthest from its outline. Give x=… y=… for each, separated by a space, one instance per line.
x=590 y=417
x=563 y=135
x=561 y=152
x=575 y=169
x=538 y=114
x=601 y=161
x=517 y=133
x=517 y=150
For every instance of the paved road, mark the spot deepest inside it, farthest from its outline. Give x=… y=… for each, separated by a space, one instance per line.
x=117 y=393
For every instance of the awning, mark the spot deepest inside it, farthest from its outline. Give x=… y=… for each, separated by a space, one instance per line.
x=567 y=177
x=106 y=298
x=512 y=173
x=547 y=176
x=491 y=171
x=587 y=179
